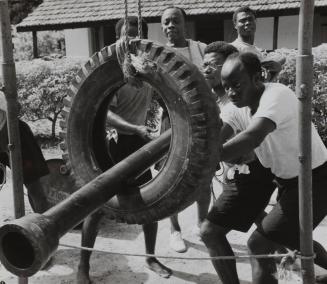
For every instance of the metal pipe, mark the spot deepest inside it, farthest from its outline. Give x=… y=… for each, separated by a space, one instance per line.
x=304 y=89
x=27 y=243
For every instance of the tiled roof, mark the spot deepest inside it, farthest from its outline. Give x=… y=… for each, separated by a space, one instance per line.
x=65 y=13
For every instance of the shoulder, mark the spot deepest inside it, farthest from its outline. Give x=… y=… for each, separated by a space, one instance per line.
x=277 y=91
x=278 y=103
x=199 y=44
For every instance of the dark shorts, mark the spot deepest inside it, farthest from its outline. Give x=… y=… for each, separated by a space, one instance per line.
x=126 y=145
x=281 y=225
x=34 y=164
x=238 y=208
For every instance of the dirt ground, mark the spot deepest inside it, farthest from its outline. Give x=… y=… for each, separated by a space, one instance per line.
x=106 y=268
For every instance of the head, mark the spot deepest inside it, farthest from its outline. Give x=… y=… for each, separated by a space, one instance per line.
x=173 y=24
x=244 y=20
x=241 y=79
x=215 y=55
x=132 y=27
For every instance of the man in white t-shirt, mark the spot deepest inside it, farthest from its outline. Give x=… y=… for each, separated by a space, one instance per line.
x=268 y=115
x=243 y=199
x=173 y=27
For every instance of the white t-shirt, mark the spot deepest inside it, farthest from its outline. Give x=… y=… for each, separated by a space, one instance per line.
x=280 y=149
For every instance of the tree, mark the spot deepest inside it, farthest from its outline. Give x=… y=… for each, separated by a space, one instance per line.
x=19 y=9
x=42 y=87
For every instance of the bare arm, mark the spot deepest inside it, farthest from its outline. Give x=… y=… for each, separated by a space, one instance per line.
x=247 y=140
x=226 y=132
x=119 y=123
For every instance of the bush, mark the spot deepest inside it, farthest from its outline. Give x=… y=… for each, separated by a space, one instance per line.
x=319 y=100
x=42 y=87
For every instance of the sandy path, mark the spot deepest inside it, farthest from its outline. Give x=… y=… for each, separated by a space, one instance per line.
x=107 y=268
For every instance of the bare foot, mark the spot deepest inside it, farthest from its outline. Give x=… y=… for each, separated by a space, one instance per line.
x=83 y=277
x=158 y=268
x=321 y=278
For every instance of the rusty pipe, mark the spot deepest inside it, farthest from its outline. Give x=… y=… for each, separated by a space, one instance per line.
x=27 y=243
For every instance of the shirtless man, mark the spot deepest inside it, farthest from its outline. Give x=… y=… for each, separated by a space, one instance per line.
x=173 y=26
x=127 y=114
x=244 y=20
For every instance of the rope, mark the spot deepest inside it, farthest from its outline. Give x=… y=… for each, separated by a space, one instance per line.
x=288 y=256
x=139 y=18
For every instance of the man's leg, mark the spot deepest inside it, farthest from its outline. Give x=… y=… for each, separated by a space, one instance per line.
x=203 y=204
x=214 y=237
x=321 y=260
x=176 y=241
x=150 y=236
x=37 y=197
x=263 y=269
x=89 y=234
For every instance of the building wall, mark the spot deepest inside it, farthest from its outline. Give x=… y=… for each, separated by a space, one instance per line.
x=264 y=33
x=78 y=42
x=288 y=31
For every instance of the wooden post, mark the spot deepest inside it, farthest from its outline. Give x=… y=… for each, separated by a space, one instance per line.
x=304 y=89
x=10 y=91
x=35 y=50
x=275 y=35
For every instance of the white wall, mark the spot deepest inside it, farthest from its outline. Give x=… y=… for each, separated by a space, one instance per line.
x=264 y=33
x=78 y=43
x=288 y=31
x=155 y=33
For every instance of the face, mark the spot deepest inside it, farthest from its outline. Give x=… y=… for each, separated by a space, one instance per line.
x=132 y=31
x=245 y=23
x=211 y=68
x=173 y=25
x=240 y=88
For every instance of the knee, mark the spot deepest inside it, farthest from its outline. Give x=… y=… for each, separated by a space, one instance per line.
x=210 y=233
x=257 y=243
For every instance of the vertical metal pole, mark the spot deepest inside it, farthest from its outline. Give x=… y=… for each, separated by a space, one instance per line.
x=9 y=83
x=304 y=89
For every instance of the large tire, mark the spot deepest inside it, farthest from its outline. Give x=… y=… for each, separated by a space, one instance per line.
x=194 y=116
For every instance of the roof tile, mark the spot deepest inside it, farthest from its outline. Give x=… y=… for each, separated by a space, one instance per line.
x=59 y=12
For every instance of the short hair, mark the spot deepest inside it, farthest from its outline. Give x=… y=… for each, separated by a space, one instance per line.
x=249 y=60
x=178 y=8
x=132 y=21
x=245 y=9
x=221 y=47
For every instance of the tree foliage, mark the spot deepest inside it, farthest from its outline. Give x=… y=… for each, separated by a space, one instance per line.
x=49 y=43
x=19 y=9
x=319 y=99
x=42 y=87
